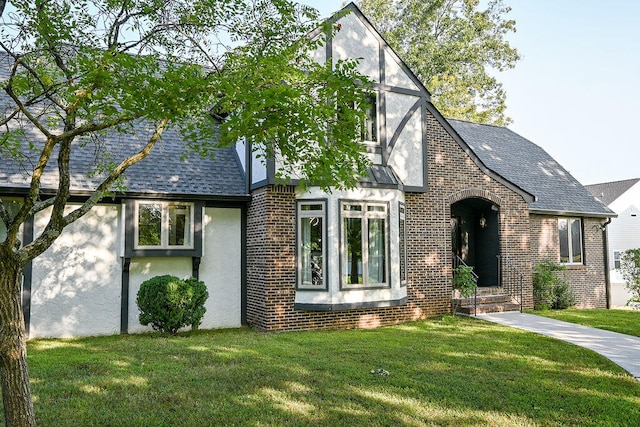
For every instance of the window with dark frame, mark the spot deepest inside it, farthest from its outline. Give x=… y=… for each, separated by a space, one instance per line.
x=161 y=225
x=364 y=244
x=369 y=129
x=311 y=244
x=402 y=244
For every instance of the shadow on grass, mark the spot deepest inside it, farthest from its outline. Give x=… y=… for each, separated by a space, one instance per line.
x=445 y=371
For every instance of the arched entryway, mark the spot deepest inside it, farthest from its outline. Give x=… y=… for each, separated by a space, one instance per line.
x=475 y=237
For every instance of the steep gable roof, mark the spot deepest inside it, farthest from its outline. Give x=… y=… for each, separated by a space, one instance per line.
x=608 y=192
x=531 y=168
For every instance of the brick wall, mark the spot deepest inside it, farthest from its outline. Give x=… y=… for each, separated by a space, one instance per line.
x=587 y=281
x=452 y=176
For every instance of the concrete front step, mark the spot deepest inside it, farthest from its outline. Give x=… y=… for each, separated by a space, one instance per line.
x=489 y=308
x=484 y=299
x=488 y=300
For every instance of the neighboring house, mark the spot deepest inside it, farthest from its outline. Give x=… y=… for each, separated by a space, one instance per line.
x=622 y=197
x=279 y=257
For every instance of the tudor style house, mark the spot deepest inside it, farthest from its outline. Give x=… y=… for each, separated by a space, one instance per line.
x=280 y=257
x=622 y=197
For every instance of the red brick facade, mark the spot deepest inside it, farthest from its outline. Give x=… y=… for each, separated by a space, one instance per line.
x=452 y=176
x=587 y=281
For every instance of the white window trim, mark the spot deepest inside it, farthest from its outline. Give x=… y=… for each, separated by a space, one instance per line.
x=164 y=228
x=310 y=214
x=570 y=241
x=365 y=215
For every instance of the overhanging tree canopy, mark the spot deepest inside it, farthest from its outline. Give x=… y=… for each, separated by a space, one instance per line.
x=76 y=72
x=455 y=48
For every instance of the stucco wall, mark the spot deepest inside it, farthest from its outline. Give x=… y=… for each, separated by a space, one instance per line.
x=221 y=267
x=76 y=282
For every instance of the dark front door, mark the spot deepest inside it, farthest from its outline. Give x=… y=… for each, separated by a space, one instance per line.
x=456 y=241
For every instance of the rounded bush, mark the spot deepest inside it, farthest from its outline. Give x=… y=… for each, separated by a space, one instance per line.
x=168 y=303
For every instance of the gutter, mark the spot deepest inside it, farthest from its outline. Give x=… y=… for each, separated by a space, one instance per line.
x=605 y=255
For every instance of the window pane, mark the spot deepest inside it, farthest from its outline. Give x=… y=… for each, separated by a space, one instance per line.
x=376 y=260
x=179 y=225
x=616 y=260
x=403 y=248
x=352 y=264
x=564 y=240
x=369 y=130
x=12 y=206
x=149 y=224
x=311 y=207
x=311 y=251
x=576 y=241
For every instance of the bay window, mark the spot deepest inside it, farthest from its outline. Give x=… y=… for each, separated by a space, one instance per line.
x=311 y=233
x=402 y=236
x=364 y=244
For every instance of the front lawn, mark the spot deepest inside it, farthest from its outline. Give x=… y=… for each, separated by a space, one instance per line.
x=444 y=371
x=622 y=321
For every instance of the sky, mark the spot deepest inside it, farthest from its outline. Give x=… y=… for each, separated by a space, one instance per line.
x=576 y=90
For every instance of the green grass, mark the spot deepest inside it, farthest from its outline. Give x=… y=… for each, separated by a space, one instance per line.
x=444 y=371
x=622 y=321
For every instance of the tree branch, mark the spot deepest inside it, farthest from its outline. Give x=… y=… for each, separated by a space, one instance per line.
x=54 y=228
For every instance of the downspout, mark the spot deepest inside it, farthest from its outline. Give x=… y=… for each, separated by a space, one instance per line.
x=607 y=281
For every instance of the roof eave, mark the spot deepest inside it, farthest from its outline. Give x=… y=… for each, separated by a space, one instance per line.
x=573 y=213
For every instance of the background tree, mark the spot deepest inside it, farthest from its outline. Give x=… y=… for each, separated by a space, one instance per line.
x=630 y=268
x=77 y=72
x=454 y=47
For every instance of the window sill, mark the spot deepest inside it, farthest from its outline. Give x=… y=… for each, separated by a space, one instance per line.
x=349 y=306
x=574 y=266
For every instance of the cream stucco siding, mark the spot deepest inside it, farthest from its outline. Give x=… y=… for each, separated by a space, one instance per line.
x=356 y=41
x=395 y=75
x=407 y=155
x=76 y=282
x=221 y=267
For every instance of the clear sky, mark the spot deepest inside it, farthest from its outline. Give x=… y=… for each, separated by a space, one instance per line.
x=576 y=90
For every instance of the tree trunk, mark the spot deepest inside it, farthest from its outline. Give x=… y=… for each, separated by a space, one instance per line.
x=14 y=373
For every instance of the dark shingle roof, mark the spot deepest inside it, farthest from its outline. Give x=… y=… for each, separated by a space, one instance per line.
x=166 y=171
x=608 y=192
x=162 y=172
x=530 y=167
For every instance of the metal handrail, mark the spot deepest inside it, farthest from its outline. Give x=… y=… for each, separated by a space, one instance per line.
x=459 y=261
x=513 y=275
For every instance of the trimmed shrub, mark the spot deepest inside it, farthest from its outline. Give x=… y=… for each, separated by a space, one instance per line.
x=550 y=289
x=169 y=303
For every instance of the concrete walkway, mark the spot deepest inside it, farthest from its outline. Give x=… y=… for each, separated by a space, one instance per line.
x=623 y=350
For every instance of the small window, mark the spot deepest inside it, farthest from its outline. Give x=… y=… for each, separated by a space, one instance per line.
x=161 y=225
x=364 y=245
x=402 y=240
x=570 y=234
x=311 y=245
x=369 y=129
x=12 y=207
x=616 y=259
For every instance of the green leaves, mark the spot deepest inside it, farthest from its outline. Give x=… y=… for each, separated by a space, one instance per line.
x=630 y=268
x=453 y=47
